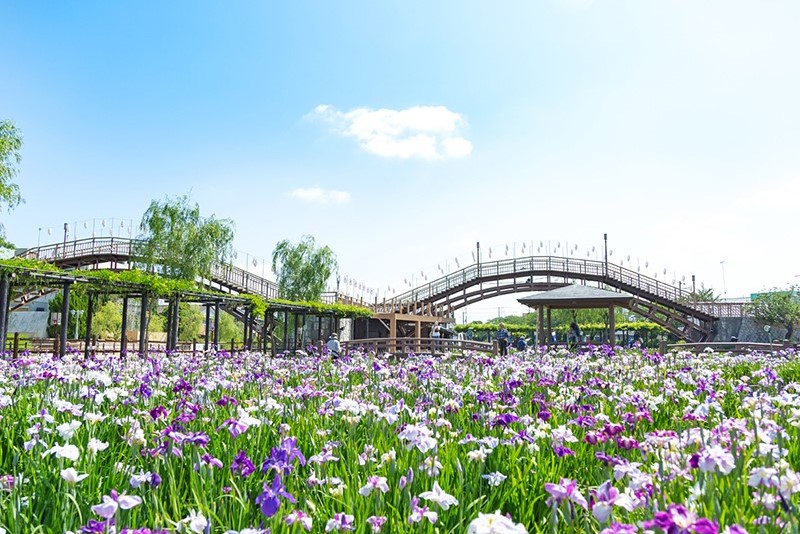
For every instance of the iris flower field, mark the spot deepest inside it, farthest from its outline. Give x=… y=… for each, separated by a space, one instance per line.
x=605 y=439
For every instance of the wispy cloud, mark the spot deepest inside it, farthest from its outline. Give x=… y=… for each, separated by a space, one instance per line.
x=317 y=195
x=425 y=132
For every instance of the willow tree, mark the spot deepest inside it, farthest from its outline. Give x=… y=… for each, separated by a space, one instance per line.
x=179 y=243
x=10 y=156
x=302 y=268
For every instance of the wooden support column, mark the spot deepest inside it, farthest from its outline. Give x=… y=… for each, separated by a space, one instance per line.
x=143 y=326
x=62 y=348
x=549 y=327
x=176 y=322
x=264 y=333
x=612 y=337
x=286 y=330
x=4 y=291
x=216 y=325
x=540 y=327
x=169 y=324
x=245 y=319
x=87 y=339
x=123 y=343
x=418 y=335
x=393 y=333
x=208 y=327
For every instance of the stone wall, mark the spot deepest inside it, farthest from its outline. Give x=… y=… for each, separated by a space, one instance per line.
x=746 y=329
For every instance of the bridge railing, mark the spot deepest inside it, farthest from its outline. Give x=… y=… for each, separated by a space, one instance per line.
x=550 y=264
x=93 y=247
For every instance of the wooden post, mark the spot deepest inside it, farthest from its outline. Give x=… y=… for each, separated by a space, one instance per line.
x=62 y=346
x=418 y=335
x=143 y=326
x=208 y=327
x=495 y=347
x=393 y=333
x=216 y=325
x=612 y=336
x=88 y=337
x=194 y=346
x=233 y=344
x=123 y=345
x=16 y=344
x=540 y=326
x=549 y=327
x=4 y=291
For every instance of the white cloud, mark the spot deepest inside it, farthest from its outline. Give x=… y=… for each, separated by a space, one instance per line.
x=425 y=132
x=317 y=195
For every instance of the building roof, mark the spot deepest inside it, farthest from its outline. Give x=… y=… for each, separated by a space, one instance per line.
x=575 y=297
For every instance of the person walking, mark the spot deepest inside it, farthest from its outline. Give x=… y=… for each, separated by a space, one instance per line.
x=502 y=339
x=436 y=333
x=333 y=346
x=574 y=335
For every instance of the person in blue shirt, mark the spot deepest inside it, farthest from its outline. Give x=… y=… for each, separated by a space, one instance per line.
x=521 y=345
x=502 y=339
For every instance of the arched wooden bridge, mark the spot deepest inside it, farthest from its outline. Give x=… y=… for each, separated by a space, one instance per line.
x=655 y=300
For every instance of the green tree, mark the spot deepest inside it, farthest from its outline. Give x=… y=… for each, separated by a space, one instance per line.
x=228 y=329
x=190 y=322
x=302 y=269
x=10 y=156
x=78 y=303
x=107 y=321
x=781 y=307
x=703 y=294
x=180 y=243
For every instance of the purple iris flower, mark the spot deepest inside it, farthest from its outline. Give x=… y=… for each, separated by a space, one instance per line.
x=242 y=465
x=280 y=458
x=269 y=501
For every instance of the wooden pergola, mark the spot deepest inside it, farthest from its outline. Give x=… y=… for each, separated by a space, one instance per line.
x=574 y=297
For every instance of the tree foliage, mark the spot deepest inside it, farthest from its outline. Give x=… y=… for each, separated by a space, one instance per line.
x=107 y=321
x=302 y=269
x=704 y=294
x=781 y=307
x=10 y=157
x=179 y=243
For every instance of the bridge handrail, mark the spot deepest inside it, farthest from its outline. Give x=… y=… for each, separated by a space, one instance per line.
x=234 y=277
x=551 y=264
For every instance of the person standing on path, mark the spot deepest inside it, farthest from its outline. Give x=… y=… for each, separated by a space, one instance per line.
x=502 y=339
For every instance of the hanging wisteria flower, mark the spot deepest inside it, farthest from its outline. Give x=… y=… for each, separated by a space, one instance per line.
x=269 y=498
x=495 y=523
x=439 y=496
x=298 y=516
x=374 y=483
x=71 y=476
x=111 y=503
x=495 y=479
x=340 y=521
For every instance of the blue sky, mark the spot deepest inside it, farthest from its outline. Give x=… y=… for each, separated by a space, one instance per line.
x=400 y=133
